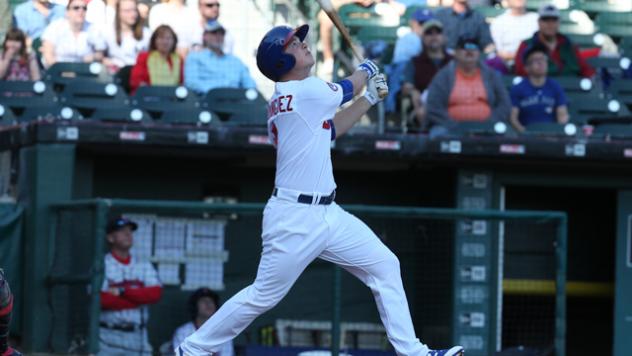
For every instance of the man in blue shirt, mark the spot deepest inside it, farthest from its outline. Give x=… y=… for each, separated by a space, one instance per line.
x=537 y=99
x=33 y=16
x=211 y=68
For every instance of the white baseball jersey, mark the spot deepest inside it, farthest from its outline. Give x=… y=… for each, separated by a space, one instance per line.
x=294 y=233
x=133 y=274
x=226 y=349
x=300 y=125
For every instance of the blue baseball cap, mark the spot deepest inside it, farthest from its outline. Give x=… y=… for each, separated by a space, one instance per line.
x=422 y=15
x=119 y=222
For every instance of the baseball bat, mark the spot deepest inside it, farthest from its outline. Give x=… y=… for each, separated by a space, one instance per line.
x=333 y=16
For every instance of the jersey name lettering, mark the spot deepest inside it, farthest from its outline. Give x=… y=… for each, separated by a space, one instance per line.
x=281 y=104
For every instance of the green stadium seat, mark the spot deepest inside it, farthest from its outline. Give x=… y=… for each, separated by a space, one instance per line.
x=584 y=41
x=613 y=130
x=616 y=24
x=534 y=5
x=52 y=111
x=62 y=73
x=120 y=114
x=21 y=94
x=477 y=128
x=622 y=90
x=192 y=116
x=625 y=46
x=576 y=22
x=237 y=106
x=158 y=99
x=603 y=5
x=356 y=16
x=7 y=117
x=574 y=84
x=612 y=64
x=87 y=96
x=588 y=108
x=546 y=129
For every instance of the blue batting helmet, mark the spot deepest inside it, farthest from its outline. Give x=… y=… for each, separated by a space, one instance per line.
x=271 y=59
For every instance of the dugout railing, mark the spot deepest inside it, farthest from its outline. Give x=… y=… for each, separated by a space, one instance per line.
x=471 y=277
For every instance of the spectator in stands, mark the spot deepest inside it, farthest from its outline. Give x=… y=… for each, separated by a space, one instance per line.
x=129 y=286
x=511 y=28
x=161 y=65
x=537 y=99
x=34 y=16
x=326 y=27
x=181 y=18
x=209 y=15
x=422 y=68
x=101 y=12
x=564 y=57
x=211 y=68
x=202 y=304
x=410 y=45
x=16 y=63
x=126 y=37
x=6 y=308
x=72 y=39
x=460 y=19
x=466 y=90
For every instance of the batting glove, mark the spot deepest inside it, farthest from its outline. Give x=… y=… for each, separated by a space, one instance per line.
x=376 y=89
x=369 y=67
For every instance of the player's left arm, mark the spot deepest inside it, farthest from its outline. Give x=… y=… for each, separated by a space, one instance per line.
x=365 y=71
x=346 y=118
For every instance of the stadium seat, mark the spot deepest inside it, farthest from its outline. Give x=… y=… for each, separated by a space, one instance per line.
x=478 y=128
x=62 y=73
x=572 y=84
x=120 y=114
x=6 y=116
x=87 y=96
x=545 y=129
x=576 y=22
x=618 y=24
x=534 y=5
x=625 y=46
x=52 y=111
x=622 y=90
x=612 y=130
x=603 y=5
x=158 y=99
x=356 y=16
x=237 y=106
x=588 y=108
x=191 y=116
x=585 y=41
x=614 y=65
x=122 y=78
x=18 y=95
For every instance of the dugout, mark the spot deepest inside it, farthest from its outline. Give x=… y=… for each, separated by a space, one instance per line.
x=53 y=162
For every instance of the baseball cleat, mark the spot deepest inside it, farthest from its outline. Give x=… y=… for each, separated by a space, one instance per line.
x=453 y=351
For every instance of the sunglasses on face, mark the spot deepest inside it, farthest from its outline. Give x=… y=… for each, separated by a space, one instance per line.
x=212 y=5
x=470 y=47
x=77 y=8
x=434 y=31
x=549 y=19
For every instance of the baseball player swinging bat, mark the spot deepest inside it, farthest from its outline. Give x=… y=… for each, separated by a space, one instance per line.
x=333 y=15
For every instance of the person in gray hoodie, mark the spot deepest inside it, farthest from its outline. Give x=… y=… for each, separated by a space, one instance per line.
x=466 y=90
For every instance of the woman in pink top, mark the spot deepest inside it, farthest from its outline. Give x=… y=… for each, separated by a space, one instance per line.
x=16 y=63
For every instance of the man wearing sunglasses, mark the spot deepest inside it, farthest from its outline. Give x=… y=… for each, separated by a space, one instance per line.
x=209 y=17
x=466 y=90
x=564 y=57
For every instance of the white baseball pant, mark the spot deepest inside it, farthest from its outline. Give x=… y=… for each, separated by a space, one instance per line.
x=295 y=234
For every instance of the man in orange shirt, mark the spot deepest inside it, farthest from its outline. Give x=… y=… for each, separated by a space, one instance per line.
x=466 y=90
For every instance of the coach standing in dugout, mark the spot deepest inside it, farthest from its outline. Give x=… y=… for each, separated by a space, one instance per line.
x=129 y=286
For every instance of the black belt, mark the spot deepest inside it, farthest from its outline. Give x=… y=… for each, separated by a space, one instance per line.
x=308 y=199
x=121 y=327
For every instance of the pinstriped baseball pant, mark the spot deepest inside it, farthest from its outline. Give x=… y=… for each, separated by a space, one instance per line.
x=295 y=234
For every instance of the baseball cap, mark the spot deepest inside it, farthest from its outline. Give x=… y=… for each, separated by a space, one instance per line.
x=549 y=11
x=118 y=222
x=214 y=27
x=433 y=23
x=422 y=15
x=468 y=42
